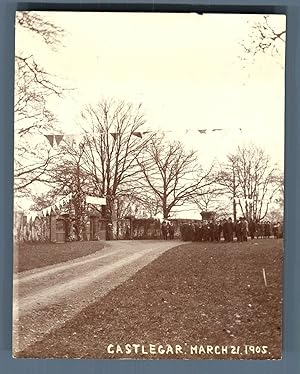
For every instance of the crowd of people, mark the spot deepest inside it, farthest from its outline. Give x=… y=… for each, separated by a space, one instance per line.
x=214 y=231
x=167 y=230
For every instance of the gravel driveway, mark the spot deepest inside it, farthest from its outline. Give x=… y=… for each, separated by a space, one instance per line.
x=45 y=298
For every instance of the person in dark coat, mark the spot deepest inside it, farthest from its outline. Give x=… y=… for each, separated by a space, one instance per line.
x=200 y=232
x=171 y=230
x=220 y=229
x=238 y=230
x=252 y=228
x=259 y=230
x=225 y=230
x=205 y=232
x=216 y=231
x=230 y=229
x=164 y=230
x=244 y=229
x=268 y=229
x=211 y=232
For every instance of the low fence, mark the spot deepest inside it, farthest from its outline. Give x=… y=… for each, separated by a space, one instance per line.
x=32 y=231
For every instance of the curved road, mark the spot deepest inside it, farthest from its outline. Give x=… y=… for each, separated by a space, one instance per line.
x=45 y=298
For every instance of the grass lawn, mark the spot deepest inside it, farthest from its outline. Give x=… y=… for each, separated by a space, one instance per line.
x=203 y=297
x=35 y=255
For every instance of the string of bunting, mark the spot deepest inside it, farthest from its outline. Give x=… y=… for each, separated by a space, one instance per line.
x=55 y=139
x=32 y=215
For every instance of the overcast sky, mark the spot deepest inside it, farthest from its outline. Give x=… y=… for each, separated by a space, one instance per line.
x=184 y=68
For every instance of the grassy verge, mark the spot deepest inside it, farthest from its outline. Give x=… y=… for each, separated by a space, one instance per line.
x=35 y=255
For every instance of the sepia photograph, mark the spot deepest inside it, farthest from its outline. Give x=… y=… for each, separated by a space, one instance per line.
x=148 y=185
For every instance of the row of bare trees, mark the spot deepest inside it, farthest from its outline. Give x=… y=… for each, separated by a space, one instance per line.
x=132 y=167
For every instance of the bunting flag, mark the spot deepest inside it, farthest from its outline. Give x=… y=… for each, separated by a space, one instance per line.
x=58 y=139
x=44 y=212
x=50 y=139
x=31 y=216
x=34 y=215
x=69 y=139
x=138 y=134
x=76 y=139
x=114 y=135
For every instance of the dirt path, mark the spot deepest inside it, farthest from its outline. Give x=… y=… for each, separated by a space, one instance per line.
x=45 y=298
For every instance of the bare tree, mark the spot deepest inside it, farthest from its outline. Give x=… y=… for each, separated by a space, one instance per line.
x=171 y=173
x=211 y=199
x=66 y=176
x=265 y=36
x=251 y=181
x=228 y=180
x=115 y=137
x=33 y=86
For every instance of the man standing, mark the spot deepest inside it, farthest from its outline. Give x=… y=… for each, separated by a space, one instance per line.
x=244 y=229
x=252 y=228
x=171 y=230
x=225 y=230
x=230 y=229
x=238 y=230
x=164 y=230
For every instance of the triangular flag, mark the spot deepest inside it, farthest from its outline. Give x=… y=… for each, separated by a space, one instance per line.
x=50 y=139
x=202 y=131
x=44 y=212
x=33 y=216
x=69 y=139
x=138 y=134
x=114 y=135
x=58 y=139
x=27 y=216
